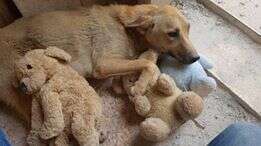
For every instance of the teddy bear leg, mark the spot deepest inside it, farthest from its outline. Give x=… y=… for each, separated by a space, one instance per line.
x=189 y=105
x=203 y=86
x=84 y=131
x=142 y=105
x=154 y=129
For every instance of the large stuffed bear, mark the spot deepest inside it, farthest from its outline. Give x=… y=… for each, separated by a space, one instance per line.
x=189 y=77
x=63 y=103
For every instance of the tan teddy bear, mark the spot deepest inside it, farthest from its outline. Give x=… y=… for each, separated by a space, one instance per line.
x=169 y=107
x=63 y=103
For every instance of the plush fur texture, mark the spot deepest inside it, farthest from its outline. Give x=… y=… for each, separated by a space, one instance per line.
x=169 y=106
x=189 y=77
x=99 y=42
x=63 y=102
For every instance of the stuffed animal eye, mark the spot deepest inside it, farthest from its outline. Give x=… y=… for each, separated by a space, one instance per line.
x=29 y=66
x=174 y=33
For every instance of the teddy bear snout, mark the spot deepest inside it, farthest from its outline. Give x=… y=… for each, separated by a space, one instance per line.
x=22 y=87
x=25 y=86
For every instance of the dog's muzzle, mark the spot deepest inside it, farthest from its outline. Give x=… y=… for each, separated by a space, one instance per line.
x=186 y=59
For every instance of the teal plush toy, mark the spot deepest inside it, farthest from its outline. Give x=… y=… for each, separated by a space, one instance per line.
x=189 y=77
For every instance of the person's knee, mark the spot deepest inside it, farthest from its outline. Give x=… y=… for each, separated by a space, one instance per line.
x=239 y=134
x=244 y=128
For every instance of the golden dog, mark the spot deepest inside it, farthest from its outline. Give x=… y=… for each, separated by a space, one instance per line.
x=99 y=42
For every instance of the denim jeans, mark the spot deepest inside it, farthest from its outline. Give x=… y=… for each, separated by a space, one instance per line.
x=3 y=140
x=239 y=134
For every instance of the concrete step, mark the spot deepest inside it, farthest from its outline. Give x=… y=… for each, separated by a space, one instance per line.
x=243 y=13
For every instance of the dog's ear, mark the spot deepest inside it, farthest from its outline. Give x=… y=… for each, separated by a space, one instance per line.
x=58 y=54
x=142 y=23
x=140 y=16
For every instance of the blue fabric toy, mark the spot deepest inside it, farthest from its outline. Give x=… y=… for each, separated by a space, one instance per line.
x=189 y=77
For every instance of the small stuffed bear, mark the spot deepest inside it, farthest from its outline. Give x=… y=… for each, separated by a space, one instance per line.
x=170 y=107
x=189 y=77
x=163 y=104
x=63 y=103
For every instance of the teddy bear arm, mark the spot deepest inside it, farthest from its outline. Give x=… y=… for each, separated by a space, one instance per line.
x=36 y=122
x=205 y=63
x=203 y=85
x=36 y=114
x=53 y=123
x=165 y=85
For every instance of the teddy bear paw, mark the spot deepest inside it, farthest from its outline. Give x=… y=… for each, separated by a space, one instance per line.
x=137 y=90
x=142 y=105
x=90 y=140
x=49 y=133
x=33 y=139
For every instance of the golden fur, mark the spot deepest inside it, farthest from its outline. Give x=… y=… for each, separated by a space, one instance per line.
x=99 y=42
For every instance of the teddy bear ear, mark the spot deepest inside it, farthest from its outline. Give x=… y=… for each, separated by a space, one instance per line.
x=58 y=54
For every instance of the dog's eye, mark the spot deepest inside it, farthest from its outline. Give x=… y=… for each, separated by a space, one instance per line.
x=28 y=66
x=174 y=33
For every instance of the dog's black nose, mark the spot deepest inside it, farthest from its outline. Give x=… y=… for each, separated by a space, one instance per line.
x=194 y=59
x=23 y=87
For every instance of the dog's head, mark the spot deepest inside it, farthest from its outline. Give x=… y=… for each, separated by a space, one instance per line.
x=165 y=29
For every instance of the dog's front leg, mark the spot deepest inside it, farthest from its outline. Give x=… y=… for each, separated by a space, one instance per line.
x=148 y=76
x=114 y=67
x=147 y=67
